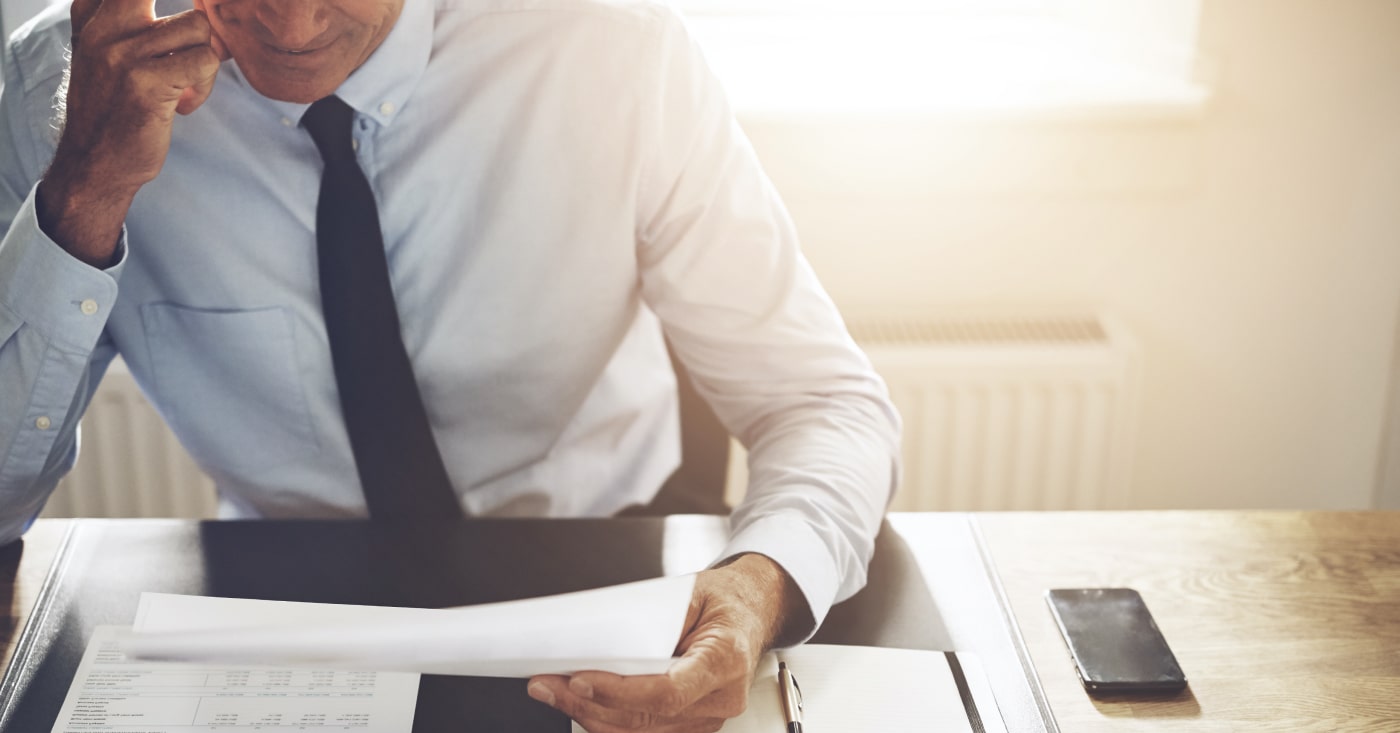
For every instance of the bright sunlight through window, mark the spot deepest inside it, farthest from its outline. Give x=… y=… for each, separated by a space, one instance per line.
x=974 y=57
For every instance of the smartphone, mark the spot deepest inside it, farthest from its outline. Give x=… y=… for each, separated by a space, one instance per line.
x=1116 y=645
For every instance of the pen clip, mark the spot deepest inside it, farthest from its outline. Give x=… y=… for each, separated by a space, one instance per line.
x=797 y=688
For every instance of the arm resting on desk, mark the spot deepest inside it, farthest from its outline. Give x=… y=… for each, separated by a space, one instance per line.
x=743 y=310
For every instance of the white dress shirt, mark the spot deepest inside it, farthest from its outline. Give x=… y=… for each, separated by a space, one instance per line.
x=558 y=181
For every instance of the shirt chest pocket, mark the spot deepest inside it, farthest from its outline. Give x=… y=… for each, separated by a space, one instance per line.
x=229 y=384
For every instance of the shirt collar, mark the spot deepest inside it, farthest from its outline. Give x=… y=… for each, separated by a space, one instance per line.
x=383 y=83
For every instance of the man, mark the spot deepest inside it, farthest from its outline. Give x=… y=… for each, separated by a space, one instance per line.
x=548 y=182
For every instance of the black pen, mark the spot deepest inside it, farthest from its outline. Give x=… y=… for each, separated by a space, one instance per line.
x=792 y=698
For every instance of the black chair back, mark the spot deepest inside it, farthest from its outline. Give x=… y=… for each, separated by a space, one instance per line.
x=697 y=486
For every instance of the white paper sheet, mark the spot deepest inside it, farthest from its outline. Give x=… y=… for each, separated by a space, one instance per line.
x=114 y=694
x=856 y=688
x=626 y=629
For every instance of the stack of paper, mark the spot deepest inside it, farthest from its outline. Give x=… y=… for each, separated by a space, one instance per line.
x=627 y=629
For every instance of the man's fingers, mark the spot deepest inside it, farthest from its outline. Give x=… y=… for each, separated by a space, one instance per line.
x=653 y=694
x=220 y=48
x=169 y=34
x=116 y=18
x=691 y=684
x=563 y=698
x=688 y=725
x=167 y=77
x=555 y=691
x=193 y=97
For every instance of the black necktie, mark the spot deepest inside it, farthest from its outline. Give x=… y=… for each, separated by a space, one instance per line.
x=397 y=458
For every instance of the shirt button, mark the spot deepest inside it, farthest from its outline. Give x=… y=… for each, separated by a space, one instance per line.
x=387 y=108
x=355 y=145
x=88 y=307
x=286 y=122
x=43 y=423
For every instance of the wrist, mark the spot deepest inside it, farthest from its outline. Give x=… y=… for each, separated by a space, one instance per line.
x=83 y=218
x=775 y=594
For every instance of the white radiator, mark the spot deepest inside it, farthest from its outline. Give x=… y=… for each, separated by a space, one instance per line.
x=1009 y=413
x=1004 y=413
x=999 y=414
x=129 y=464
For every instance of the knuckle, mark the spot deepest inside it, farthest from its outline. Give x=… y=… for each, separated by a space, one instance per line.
x=570 y=708
x=673 y=701
x=732 y=706
x=112 y=57
x=638 y=720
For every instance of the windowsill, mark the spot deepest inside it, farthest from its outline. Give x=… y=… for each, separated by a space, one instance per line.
x=860 y=68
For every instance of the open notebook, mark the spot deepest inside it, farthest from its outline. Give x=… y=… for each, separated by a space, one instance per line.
x=862 y=689
x=858 y=689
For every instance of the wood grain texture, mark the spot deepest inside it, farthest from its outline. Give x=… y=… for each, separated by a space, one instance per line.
x=1282 y=621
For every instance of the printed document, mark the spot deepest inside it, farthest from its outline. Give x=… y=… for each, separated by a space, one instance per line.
x=114 y=694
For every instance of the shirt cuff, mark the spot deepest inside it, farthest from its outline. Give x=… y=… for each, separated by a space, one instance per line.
x=795 y=546
x=65 y=299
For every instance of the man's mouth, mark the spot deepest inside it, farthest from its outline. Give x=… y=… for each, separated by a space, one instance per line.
x=293 y=51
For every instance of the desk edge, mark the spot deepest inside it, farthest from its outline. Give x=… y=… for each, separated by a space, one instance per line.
x=34 y=624
x=1009 y=621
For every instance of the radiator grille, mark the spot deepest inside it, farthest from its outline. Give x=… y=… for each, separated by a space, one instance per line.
x=130 y=464
x=896 y=331
x=999 y=414
x=1009 y=413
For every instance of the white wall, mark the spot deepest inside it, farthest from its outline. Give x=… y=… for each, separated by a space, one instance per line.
x=1254 y=249
x=1388 y=471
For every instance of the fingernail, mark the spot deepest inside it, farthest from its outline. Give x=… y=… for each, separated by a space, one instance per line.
x=581 y=687
x=538 y=691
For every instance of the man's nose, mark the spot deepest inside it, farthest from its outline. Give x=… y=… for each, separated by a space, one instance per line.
x=294 y=24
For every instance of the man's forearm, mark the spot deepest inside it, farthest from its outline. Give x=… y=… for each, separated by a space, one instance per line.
x=129 y=75
x=83 y=219
x=819 y=482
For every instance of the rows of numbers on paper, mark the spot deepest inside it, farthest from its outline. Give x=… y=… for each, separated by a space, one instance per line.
x=113 y=694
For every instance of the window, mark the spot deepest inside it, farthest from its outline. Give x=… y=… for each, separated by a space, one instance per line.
x=950 y=56
x=861 y=57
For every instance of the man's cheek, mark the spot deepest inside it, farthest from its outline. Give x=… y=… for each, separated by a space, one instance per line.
x=217 y=43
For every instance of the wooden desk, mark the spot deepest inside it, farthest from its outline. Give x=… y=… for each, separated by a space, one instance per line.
x=1283 y=621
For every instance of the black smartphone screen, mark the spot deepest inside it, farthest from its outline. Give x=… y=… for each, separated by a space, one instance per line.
x=1114 y=641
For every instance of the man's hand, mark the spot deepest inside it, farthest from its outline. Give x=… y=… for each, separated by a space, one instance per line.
x=130 y=74
x=738 y=612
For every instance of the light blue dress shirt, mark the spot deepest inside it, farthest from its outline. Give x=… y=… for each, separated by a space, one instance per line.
x=556 y=179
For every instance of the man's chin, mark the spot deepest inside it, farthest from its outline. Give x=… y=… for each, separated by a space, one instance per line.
x=291 y=87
